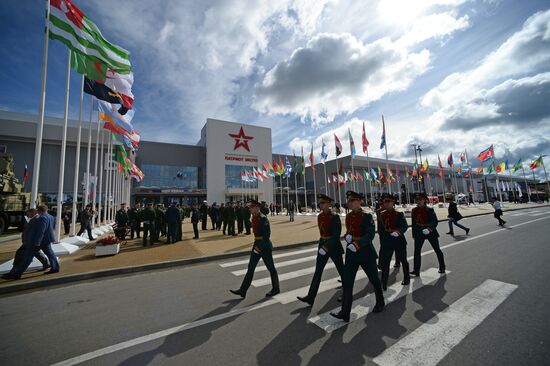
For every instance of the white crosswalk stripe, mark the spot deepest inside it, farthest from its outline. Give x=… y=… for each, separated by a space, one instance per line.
x=242 y=272
x=275 y=256
x=537 y=214
x=365 y=305
x=290 y=275
x=432 y=341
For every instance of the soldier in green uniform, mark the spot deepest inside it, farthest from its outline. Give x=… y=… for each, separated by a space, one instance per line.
x=160 y=222
x=121 y=217
x=240 y=217
x=391 y=228
x=424 y=223
x=231 y=215
x=148 y=217
x=360 y=231
x=135 y=221
x=179 y=229
x=330 y=228
x=262 y=248
x=246 y=217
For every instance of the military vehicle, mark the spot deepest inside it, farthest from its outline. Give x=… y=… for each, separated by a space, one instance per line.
x=13 y=200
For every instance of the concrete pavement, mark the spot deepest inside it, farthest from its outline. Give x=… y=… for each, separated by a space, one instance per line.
x=187 y=316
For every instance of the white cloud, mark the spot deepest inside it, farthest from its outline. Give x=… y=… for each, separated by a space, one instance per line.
x=434 y=25
x=337 y=73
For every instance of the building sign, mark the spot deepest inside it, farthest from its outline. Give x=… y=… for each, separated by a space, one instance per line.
x=241 y=158
x=241 y=140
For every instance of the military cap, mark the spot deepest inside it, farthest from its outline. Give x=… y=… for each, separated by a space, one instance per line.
x=420 y=195
x=387 y=196
x=354 y=195
x=253 y=202
x=321 y=196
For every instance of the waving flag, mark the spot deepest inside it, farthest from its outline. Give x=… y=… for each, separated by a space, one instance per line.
x=517 y=166
x=69 y=25
x=324 y=155
x=107 y=110
x=288 y=167
x=383 y=139
x=311 y=159
x=479 y=169
x=338 y=145
x=25 y=173
x=424 y=167
x=450 y=160
x=364 y=140
x=537 y=162
x=373 y=173
x=491 y=168
x=501 y=167
x=439 y=164
x=351 y=144
x=462 y=157
x=486 y=154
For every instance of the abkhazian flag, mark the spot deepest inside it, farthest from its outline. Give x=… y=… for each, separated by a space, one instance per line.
x=337 y=145
x=324 y=155
x=312 y=159
x=351 y=144
x=364 y=140
x=383 y=139
x=537 y=162
x=517 y=166
x=69 y=25
x=486 y=154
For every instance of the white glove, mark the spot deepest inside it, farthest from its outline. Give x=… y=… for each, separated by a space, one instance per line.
x=425 y=231
x=395 y=234
x=322 y=251
x=255 y=251
x=352 y=248
x=348 y=238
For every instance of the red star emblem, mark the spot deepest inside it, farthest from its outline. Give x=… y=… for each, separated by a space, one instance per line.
x=241 y=139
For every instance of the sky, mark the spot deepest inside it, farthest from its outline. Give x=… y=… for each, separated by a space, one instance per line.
x=450 y=75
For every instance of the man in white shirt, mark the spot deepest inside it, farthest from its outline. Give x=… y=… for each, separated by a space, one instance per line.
x=498 y=211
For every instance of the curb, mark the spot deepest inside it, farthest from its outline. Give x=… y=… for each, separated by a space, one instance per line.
x=164 y=265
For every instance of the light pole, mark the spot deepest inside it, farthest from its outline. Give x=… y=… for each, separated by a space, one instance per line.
x=416 y=165
x=423 y=187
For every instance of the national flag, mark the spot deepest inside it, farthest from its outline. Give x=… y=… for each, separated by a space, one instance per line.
x=450 y=160
x=486 y=154
x=26 y=173
x=288 y=167
x=135 y=172
x=380 y=174
x=91 y=69
x=373 y=173
x=324 y=155
x=351 y=144
x=359 y=177
x=424 y=166
x=439 y=164
x=364 y=139
x=312 y=159
x=501 y=167
x=281 y=166
x=383 y=139
x=479 y=169
x=118 y=132
x=491 y=168
x=120 y=158
x=108 y=111
x=103 y=92
x=338 y=145
x=462 y=157
x=517 y=166
x=537 y=162
x=397 y=172
x=70 y=26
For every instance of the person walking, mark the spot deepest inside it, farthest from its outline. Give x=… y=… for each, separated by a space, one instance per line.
x=454 y=217
x=424 y=227
x=195 y=218
x=391 y=228
x=498 y=211
x=330 y=229
x=262 y=248
x=360 y=252
x=86 y=221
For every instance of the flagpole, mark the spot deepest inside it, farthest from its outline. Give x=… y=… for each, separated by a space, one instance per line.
x=326 y=181
x=526 y=184
x=88 y=153
x=305 y=187
x=287 y=193
x=386 y=149
x=370 y=180
x=77 y=161
x=365 y=188
x=107 y=175
x=296 y=190
x=338 y=182
x=62 y=157
x=471 y=178
x=545 y=175
x=100 y=181
x=314 y=189
x=498 y=182
x=94 y=199
x=41 y=110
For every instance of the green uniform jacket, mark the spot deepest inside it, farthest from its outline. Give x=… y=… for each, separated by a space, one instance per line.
x=401 y=225
x=148 y=215
x=121 y=218
x=430 y=224
x=263 y=230
x=366 y=229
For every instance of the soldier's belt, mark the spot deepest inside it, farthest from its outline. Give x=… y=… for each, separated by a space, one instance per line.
x=326 y=237
x=356 y=237
x=258 y=237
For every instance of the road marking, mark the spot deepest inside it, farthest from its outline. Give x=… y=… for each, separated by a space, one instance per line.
x=164 y=333
x=432 y=341
x=538 y=214
x=275 y=256
x=365 y=305
x=289 y=275
x=278 y=265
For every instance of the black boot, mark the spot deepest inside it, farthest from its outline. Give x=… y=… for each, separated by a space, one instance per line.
x=275 y=285
x=239 y=292
x=379 y=301
x=341 y=315
x=306 y=299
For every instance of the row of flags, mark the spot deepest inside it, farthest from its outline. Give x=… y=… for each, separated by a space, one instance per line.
x=107 y=76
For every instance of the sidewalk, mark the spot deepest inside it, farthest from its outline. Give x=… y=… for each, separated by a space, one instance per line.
x=212 y=245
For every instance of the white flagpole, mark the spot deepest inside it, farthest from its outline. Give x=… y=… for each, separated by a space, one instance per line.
x=107 y=176
x=326 y=181
x=77 y=161
x=338 y=182
x=498 y=182
x=471 y=178
x=527 y=190
x=287 y=193
x=305 y=187
x=41 y=110
x=62 y=157
x=296 y=188
x=365 y=188
x=386 y=149
x=314 y=188
x=101 y=156
x=95 y=174
x=370 y=180
x=88 y=153
x=443 y=184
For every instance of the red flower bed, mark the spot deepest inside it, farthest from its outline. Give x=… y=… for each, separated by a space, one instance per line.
x=108 y=240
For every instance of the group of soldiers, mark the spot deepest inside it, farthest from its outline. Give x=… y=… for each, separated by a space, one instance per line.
x=225 y=216
x=360 y=231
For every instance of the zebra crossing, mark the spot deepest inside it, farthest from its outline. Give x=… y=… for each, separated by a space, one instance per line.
x=426 y=345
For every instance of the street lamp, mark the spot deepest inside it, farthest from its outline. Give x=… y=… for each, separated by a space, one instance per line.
x=414 y=146
x=420 y=152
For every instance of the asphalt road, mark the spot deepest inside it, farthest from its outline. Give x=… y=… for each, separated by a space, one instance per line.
x=492 y=308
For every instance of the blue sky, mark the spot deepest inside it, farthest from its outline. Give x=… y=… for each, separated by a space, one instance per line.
x=448 y=74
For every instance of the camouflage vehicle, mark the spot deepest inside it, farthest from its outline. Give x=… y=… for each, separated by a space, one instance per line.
x=13 y=201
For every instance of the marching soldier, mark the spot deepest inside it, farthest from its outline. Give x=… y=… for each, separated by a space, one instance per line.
x=262 y=248
x=360 y=231
x=391 y=228
x=330 y=228
x=424 y=223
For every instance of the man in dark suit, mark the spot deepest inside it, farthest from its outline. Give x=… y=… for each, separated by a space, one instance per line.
x=454 y=217
x=195 y=218
x=38 y=237
x=172 y=219
x=86 y=221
